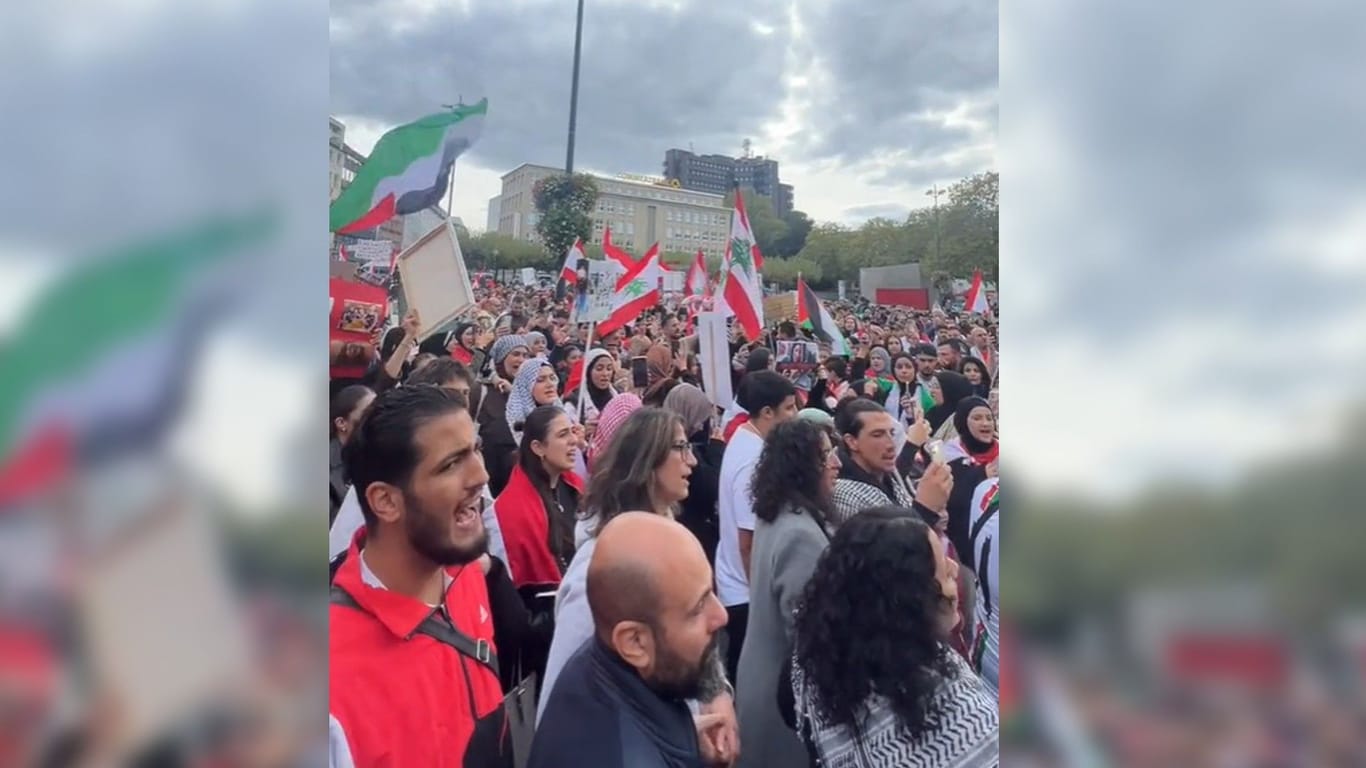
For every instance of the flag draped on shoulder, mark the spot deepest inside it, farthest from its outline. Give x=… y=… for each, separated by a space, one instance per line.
x=813 y=316
x=742 y=292
x=637 y=291
x=408 y=170
x=695 y=284
x=976 y=302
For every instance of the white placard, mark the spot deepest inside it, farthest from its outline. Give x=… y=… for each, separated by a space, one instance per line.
x=842 y=290
x=366 y=251
x=435 y=281
x=529 y=276
x=714 y=357
x=596 y=289
x=673 y=282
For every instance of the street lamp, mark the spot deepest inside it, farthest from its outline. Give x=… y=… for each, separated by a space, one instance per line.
x=934 y=192
x=574 y=91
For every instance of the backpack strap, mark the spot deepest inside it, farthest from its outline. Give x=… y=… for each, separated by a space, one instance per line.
x=435 y=628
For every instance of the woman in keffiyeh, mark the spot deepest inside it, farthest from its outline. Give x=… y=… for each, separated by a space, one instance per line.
x=616 y=412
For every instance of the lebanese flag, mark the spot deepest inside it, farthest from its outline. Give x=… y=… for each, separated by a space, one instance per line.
x=977 y=297
x=743 y=290
x=614 y=253
x=570 y=271
x=408 y=170
x=637 y=291
x=695 y=284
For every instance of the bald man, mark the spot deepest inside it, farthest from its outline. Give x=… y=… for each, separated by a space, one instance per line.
x=620 y=700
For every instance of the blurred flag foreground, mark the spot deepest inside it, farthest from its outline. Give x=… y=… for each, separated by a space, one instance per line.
x=99 y=363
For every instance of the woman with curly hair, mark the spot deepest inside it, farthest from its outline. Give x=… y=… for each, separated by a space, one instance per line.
x=873 y=682
x=793 y=484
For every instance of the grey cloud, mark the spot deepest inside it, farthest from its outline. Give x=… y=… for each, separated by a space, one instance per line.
x=651 y=78
x=893 y=211
x=891 y=64
x=1189 y=155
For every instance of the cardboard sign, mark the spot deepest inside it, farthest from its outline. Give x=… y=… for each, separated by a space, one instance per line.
x=596 y=290
x=780 y=307
x=435 y=282
x=358 y=312
x=529 y=277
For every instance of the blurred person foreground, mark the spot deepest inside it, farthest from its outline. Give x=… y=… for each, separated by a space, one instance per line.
x=1192 y=627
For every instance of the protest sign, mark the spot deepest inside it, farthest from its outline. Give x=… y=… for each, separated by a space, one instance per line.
x=782 y=306
x=800 y=356
x=596 y=290
x=714 y=357
x=357 y=312
x=435 y=282
x=529 y=277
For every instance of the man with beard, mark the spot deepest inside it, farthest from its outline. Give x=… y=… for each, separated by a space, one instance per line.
x=413 y=670
x=620 y=700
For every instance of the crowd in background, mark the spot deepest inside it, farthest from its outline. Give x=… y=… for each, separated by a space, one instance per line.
x=526 y=523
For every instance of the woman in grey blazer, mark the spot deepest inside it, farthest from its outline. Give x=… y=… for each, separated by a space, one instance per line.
x=793 y=484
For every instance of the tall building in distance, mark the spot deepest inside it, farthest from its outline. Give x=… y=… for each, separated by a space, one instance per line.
x=641 y=210
x=718 y=174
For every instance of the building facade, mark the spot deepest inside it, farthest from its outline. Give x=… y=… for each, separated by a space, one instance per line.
x=343 y=163
x=639 y=210
x=718 y=174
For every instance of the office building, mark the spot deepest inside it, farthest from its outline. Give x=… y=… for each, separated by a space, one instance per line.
x=640 y=210
x=718 y=174
x=343 y=163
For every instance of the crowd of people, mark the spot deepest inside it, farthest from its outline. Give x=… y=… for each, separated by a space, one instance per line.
x=536 y=550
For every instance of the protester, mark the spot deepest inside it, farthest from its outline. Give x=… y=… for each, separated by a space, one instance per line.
x=978 y=375
x=947 y=391
x=536 y=510
x=950 y=353
x=347 y=407
x=869 y=449
x=613 y=416
x=769 y=399
x=874 y=683
x=985 y=539
x=699 y=509
x=397 y=694
x=536 y=343
x=644 y=469
x=620 y=699
x=536 y=385
x=904 y=395
x=793 y=483
x=971 y=456
x=601 y=369
x=500 y=447
x=463 y=348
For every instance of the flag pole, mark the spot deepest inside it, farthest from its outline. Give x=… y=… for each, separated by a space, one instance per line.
x=583 y=380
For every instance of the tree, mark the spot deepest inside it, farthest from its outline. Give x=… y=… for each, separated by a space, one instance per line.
x=798 y=227
x=969 y=228
x=769 y=230
x=564 y=203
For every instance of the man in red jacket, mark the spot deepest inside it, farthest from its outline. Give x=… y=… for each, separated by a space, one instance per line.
x=413 y=667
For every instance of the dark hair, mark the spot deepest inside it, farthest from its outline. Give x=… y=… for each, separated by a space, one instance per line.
x=390 y=342
x=847 y=421
x=536 y=428
x=789 y=472
x=623 y=475
x=837 y=366
x=344 y=402
x=888 y=642
x=440 y=372
x=786 y=328
x=952 y=343
x=758 y=360
x=437 y=344
x=382 y=449
x=764 y=389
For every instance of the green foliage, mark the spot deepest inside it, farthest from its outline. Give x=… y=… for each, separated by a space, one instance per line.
x=784 y=272
x=961 y=236
x=798 y=227
x=564 y=203
x=493 y=251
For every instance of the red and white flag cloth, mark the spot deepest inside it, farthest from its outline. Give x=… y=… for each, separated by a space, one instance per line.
x=570 y=271
x=976 y=302
x=341 y=253
x=695 y=284
x=637 y=291
x=613 y=253
x=742 y=292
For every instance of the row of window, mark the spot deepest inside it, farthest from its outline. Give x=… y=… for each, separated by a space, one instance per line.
x=620 y=227
x=695 y=217
x=695 y=236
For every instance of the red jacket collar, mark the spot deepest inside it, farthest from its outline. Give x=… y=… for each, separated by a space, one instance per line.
x=400 y=614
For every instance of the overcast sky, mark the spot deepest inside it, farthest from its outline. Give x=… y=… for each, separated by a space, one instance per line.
x=865 y=104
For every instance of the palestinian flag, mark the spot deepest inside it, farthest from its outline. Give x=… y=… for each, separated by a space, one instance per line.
x=409 y=169
x=813 y=316
x=742 y=290
x=102 y=363
x=637 y=291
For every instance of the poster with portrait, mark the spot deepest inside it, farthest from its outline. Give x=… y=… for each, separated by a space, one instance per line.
x=357 y=313
x=799 y=356
x=595 y=290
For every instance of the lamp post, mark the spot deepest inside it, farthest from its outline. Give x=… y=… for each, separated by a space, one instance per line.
x=574 y=91
x=934 y=192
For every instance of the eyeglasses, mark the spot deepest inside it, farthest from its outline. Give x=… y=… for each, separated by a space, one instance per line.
x=683 y=448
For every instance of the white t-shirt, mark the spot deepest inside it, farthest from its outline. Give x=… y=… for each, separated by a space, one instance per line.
x=735 y=511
